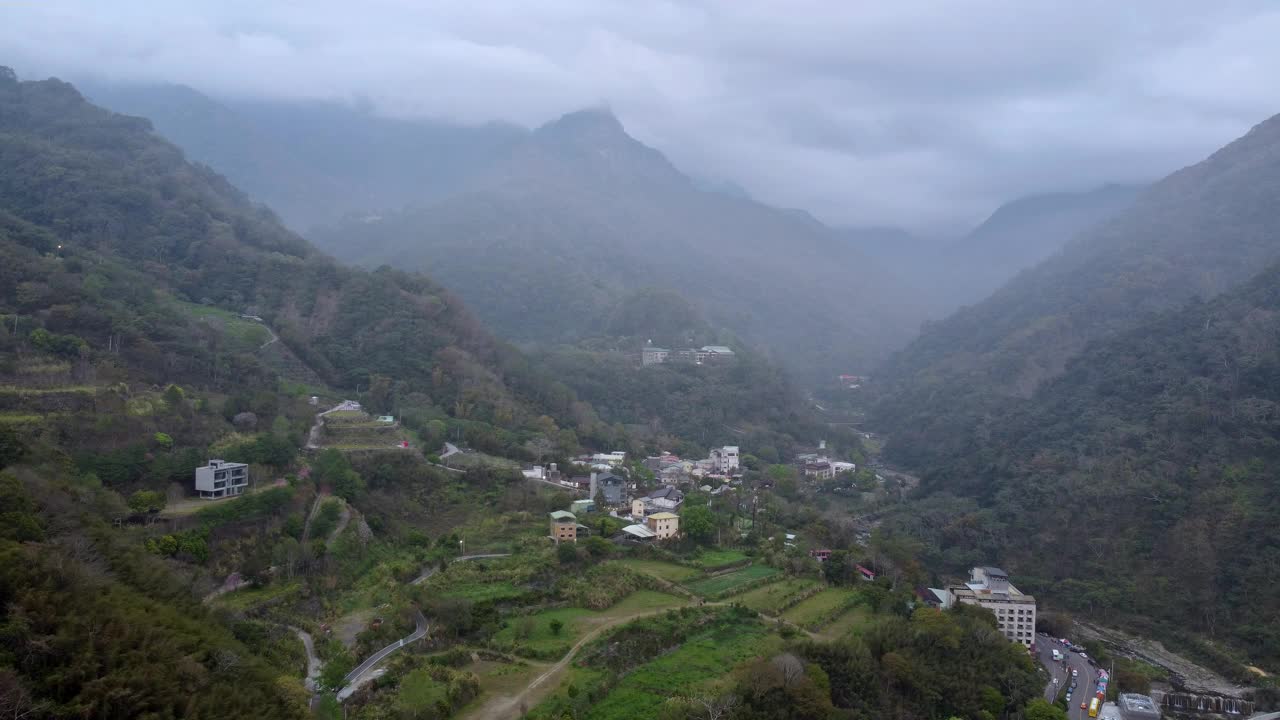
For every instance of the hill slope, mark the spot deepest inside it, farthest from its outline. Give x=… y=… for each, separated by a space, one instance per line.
x=1023 y=232
x=1160 y=446
x=546 y=242
x=1198 y=232
x=145 y=236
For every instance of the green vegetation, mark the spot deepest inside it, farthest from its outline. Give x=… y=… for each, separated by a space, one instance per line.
x=822 y=607
x=775 y=597
x=1175 y=423
x=1132 y=379
x=713 y=559
x=659 y=569
x=730 y=583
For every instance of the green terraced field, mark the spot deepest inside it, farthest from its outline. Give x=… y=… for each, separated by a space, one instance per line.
x=725 y=584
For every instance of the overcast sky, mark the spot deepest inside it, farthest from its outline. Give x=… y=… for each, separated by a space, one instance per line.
x=920 y=113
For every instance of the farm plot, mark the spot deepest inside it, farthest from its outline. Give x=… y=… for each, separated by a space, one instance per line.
x=730 y=583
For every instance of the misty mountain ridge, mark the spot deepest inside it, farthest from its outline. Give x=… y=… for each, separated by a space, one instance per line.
x=313 y=161
x=1199 y=232
x=950 y=273
x=544 y=243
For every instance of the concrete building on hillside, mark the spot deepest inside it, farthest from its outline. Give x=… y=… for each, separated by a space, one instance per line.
x=989 y=587
x=664 y=524
x=651 y=355
x=220 y=479
x=564 y=526
x=725 y=459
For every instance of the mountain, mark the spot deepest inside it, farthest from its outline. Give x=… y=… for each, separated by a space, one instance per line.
x=1021 y=233
x=580 y=214
x=949 y=273
x=1139 y=484
x=314 y=162
x=1198 y=232
x=105 y=185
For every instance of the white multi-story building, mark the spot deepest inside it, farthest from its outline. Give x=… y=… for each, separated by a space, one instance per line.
x=724 y=460
x=989 y=587
x=221 y=479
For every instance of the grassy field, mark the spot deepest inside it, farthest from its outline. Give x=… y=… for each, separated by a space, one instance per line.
x=702 y=659
x=248 y=334
x=852 y=622
x=420 y=693
x=819 y=606
x=728 y=582
x=60 y=390
x=719 y=558
x=542 y=642
x=250 y=598
x=770 y=598
x=659 y=569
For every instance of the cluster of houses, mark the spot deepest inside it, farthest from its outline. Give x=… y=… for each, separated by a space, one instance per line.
x=818 y=466
x=653 y=516
x=707 y=354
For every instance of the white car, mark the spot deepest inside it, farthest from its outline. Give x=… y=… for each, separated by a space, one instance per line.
x=1075 y=673
x=1086 y=657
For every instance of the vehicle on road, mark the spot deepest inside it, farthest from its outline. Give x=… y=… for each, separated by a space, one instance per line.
x=1057 y=656
x=1086 y=657
x=1094 y=704
x=1075 y=672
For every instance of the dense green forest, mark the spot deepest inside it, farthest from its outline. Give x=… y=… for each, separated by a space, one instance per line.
x=1198 y=232
x=1152 y=461
x=683 y=407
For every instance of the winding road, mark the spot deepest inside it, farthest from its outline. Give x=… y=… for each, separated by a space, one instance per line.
x=352 y=679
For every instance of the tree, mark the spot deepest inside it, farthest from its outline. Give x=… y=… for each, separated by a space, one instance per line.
x=698 y=523
x=1040 y=709
x=12 y=449
x=147 y=501
x=556 y=626
x=174 y=397
x=335 y=670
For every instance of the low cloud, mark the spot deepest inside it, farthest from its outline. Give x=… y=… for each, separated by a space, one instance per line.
x=920 y=113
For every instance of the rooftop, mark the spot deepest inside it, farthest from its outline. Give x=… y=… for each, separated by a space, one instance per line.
x=664 y=516
x=716 y=349
x=639 y=531
x=994 y=572
x=563 y=516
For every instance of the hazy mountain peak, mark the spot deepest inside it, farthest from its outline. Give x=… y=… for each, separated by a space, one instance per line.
x=598 y=120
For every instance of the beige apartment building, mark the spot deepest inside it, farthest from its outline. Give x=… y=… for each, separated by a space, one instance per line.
x=989 y=587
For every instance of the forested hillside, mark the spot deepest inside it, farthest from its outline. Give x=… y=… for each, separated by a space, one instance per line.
x=1023 y=232
x=580 y=214
x=685 y=407
x=1140 y=483
x=1198 y=232
x=113 y=238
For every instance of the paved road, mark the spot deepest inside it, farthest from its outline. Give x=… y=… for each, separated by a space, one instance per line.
x=1086 y=681
x=418 y=633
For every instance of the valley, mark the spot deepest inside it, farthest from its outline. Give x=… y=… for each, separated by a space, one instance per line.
x=496 y=422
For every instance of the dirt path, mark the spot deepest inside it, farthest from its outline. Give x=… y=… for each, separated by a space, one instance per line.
x=506 y=707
